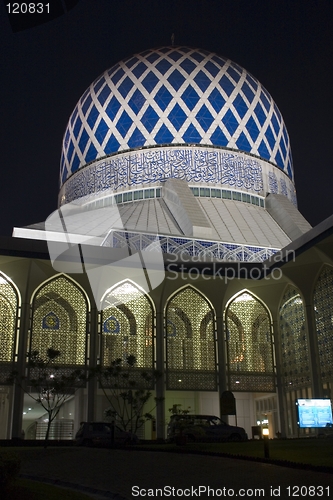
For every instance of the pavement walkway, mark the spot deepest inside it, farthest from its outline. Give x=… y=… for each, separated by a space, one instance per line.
x=130 y=474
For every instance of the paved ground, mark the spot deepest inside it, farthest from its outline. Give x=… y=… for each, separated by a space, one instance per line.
x=131 y=474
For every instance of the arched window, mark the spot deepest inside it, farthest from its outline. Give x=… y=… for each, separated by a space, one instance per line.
x=249 y=345
x=127 y=325
x=190 y=342
x=59 y=320
x=294 y=344
x=323 y=306
x=8 y=319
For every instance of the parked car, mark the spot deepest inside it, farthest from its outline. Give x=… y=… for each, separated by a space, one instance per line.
x=203 y=428
x=100 y=434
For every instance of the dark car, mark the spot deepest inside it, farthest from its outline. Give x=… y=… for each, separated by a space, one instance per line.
x=100 y=434
x=203 y=428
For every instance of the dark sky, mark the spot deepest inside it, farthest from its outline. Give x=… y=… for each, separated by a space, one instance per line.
x=286 y=44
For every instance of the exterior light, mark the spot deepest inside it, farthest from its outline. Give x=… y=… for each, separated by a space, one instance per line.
x=265 y=433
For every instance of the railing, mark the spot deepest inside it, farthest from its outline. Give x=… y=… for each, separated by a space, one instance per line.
x=191 y=247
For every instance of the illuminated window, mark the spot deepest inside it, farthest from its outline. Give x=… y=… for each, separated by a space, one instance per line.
x=60 y=321
x=249 y=345
x=8 y=318
x=294 y=344
x=190 y=342
x=323 y=306
x=127 y=325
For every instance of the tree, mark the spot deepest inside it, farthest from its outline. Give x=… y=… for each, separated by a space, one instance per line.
x=181 y=424
x=48 y=385
x=128 y=390
x=177 y=410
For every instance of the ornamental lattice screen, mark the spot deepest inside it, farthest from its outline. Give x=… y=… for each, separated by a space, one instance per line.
x=190 y=342
x=295 y=368
x=250 y=362
x=323 y=306
x=127 y=326
x=8 y=326
x=60 y=321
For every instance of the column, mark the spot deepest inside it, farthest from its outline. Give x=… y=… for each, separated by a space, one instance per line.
x=93 y=354
x=20 y=365
x=221 y=356
x=160 y=385
x=316 y=384
x=282 y=407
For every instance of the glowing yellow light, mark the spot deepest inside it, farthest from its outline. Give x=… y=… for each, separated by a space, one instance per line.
x=244 y=297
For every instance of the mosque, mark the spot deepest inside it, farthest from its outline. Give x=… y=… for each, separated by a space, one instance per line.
x=177 y=239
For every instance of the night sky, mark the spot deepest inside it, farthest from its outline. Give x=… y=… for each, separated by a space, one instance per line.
x=286 y=44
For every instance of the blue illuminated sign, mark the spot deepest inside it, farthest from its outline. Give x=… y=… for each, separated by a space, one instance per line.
x=314 y=413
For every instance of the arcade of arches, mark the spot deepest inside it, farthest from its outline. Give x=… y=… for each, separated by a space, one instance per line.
x=263 y=355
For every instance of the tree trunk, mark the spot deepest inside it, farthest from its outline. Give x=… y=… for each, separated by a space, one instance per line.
x=47 y=432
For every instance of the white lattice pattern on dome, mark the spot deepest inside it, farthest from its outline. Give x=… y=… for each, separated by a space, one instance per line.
x=175 y=95
x=188 y=246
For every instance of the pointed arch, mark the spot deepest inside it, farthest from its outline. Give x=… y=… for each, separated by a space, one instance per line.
x=9 y=314
x=295 y=368
x=132 y=312
x=323 y=307
x=249 y=342
x=60 y=319
x=190 y=341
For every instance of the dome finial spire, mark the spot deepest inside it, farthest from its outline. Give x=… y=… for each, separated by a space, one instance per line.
x=173 y=39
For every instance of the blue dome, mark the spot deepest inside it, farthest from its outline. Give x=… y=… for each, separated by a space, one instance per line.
x=175 y=95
